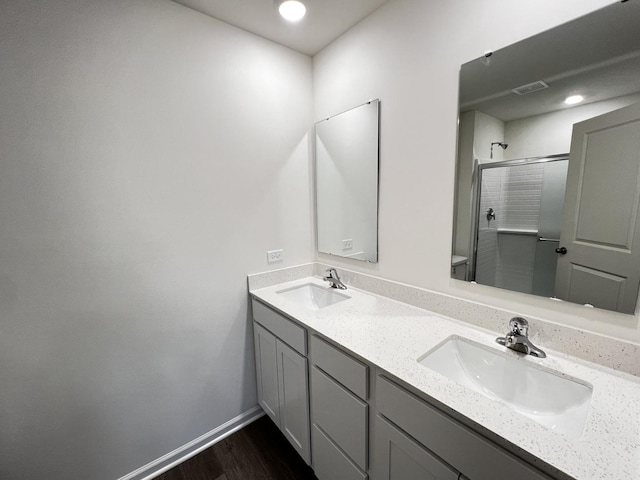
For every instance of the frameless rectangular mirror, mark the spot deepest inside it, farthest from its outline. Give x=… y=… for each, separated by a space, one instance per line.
x=548 y=167
x=347 y=152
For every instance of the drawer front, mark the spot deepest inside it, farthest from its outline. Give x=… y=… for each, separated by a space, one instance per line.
x=470 y=453
x=341 y=415
x=346 y=370
x=293 y=335
x=329 y=463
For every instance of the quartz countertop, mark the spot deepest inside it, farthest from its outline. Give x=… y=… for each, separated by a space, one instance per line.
x=393 y=335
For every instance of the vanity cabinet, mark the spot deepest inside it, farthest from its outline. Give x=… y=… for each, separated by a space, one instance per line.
x=334 y=408
x=412 y=436
x=282 y=375
x=339 y=413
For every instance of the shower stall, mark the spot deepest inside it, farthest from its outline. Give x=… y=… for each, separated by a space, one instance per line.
x=517 y=223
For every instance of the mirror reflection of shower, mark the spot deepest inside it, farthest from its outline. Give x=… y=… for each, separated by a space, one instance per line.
x=518 y=219
x=500 y=144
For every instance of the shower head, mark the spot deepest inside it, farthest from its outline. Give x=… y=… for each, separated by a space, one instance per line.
x=500 y=144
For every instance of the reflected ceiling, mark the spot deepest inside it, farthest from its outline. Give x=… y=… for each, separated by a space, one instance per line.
x=558 y=57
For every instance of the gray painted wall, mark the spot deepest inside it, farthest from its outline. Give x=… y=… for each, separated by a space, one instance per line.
x=149 y=158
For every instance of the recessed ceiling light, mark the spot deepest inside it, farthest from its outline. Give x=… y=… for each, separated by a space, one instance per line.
x=573 y=99
x=292 y=10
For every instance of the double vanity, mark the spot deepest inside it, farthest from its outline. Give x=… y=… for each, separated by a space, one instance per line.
x=385 y=381
x=365 y=386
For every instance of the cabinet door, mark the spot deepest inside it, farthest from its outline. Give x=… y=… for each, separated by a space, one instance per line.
x=294 y=399
x=267 y=372
x=330 y=462
x=401 y=458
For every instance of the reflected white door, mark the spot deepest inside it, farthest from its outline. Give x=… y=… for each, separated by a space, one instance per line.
x=600 y=229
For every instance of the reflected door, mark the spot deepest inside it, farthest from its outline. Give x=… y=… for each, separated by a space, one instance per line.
x=602 y=263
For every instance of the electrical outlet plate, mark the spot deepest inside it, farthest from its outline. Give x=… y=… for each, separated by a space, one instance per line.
x=274 y=256
x=347 y=244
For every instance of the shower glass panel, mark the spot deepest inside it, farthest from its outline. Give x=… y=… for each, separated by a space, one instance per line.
x=551 y=206
x=519 y=217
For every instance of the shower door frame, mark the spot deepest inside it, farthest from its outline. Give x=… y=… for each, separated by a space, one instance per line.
x=477 y=186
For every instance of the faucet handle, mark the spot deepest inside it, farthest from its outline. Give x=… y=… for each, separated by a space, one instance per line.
x=519 y=326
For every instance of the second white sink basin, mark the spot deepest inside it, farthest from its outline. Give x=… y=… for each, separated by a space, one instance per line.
x=312 y=296
x=560 y=403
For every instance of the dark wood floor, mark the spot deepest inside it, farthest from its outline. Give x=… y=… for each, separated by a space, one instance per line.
x=257 y=452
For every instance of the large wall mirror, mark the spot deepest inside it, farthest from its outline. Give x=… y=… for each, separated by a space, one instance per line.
x=548 y=167
x=347 y=150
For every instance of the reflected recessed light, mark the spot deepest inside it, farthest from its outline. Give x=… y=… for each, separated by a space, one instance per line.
x=292 y=10
x=573 y=99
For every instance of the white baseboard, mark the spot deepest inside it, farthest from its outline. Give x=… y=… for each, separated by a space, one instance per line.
x=180 y=454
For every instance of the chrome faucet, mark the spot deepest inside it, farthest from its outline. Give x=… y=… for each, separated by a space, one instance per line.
x=517 y=339
x=334 y=280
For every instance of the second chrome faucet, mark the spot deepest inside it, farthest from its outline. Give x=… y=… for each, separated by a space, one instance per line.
x=518 y=338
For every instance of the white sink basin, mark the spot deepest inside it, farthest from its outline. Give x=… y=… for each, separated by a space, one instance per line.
x=312 y=296
x=557 y=402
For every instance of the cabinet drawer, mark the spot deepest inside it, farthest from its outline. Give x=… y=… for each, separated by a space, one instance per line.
x=341 y=415
x=345 y=369
x=470 y=453
x=293 y=335
x=329 y=463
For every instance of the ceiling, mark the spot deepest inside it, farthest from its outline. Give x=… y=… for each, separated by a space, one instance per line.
x=597 y=55
x=325 y=21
